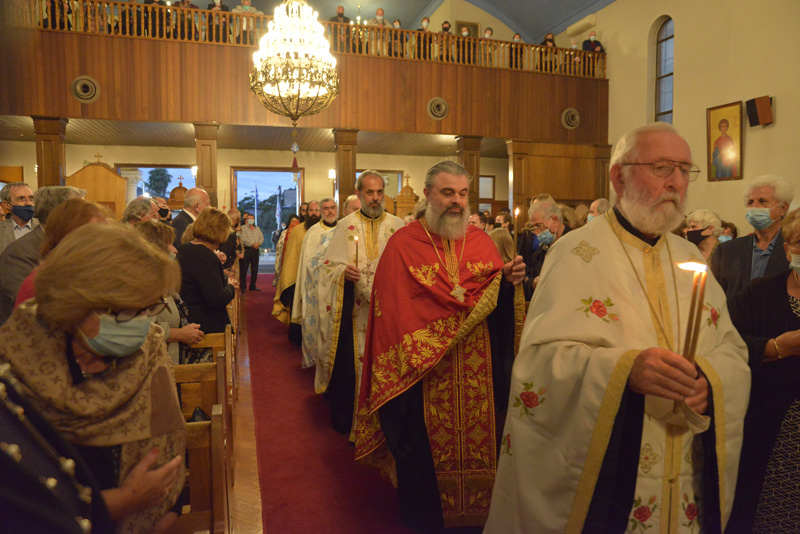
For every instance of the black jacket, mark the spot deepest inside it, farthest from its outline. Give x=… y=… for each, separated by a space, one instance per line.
x=731 y=263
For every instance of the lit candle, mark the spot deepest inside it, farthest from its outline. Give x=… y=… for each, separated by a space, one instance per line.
x=517 y=230
x=356 y=239
x=695 y=311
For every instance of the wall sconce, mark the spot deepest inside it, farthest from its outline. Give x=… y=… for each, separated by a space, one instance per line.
x=332 y=175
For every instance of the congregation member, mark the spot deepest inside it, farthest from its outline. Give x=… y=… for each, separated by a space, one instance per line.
x=478 y=220
x=140 y=209
x=287 y=282
x=465 y=49
x=341 y=42
x=593 y=440
x=505 y=245
x=305 y=305
x=444 y=41
x=424 y=39
x=548 y=226
x=232 y=248
x=547 y=54
x=569 y=216
x=164 y=213
x=591 y=44
x=435 y=384
x=527 y=242
x=196 y=200
x=736 y=263
x=204 y=287
x=179 y=333
x=729 y=232
x=702 y=229
x=767 y=314
x=87 y=357
x=252 y=238
x=344 y=289
x=244 y=27
x=597 y=208
x=23 y=255
x=218 y=25
x=516 y=52
x=505 y=221
x=17 y=199
x=351 y=205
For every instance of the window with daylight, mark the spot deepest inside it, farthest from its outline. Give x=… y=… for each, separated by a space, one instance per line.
x=664 y=67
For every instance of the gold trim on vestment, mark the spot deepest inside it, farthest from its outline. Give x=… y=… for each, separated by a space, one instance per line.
x=337 y=321
x=671 y=478
x=718 y=395
x=371 y=234
x=599 y=442
x=520 y=308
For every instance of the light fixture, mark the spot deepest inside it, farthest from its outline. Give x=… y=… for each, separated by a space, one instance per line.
x=194 y=171
x=332 y=175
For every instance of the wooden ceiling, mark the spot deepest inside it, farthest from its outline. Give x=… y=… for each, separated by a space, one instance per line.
x=121 y=133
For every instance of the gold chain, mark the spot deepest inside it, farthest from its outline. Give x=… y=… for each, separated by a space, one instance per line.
x=451 y=266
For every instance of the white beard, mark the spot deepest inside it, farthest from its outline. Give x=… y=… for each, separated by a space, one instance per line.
x=447 y=225
x=651 y=217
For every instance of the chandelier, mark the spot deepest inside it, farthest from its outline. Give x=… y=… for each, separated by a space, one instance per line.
x=294 y=73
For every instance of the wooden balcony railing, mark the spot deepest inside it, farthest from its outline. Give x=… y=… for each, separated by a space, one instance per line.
x=175 y=23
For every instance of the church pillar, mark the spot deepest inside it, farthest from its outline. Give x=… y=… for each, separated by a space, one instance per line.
x=51 y=133
x=205 y=138
x=345 y=141
x=519 y=174
x=469 y=157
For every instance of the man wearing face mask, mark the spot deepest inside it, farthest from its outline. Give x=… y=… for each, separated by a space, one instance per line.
x=218 y=29
x=17 y=199
x=378 y=37
x=593 y=45
x=598 y=208
x=465 y=49
x=737 y=262
x=244 y=25
x=548 y=225
x=424 y=40
x=341 y=42
x=445 y=42
x=251 y=239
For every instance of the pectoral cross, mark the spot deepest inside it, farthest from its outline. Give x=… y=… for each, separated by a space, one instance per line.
x=458 y=292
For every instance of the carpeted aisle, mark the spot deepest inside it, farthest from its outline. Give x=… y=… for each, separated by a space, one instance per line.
x=309 y=480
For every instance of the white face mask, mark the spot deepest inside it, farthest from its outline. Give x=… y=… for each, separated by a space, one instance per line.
x=516 y=39
x=379 y=17
x=424 y=23
x=592 y=38
x=487 y=35
x=396 y=25
x=217 y=2
x=465 y=34
x=574 y=46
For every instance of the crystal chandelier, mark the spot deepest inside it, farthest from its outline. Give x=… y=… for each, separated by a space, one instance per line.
x=294 y=73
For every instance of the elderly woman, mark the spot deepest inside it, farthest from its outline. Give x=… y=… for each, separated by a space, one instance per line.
x=205 y=289
x=178 y=331
x=703 y=228
x=767 y=315
x=88 y=358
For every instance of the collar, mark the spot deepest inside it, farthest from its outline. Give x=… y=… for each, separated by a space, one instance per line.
x=769 y=247
x=21 y=226
x=189 y=213
x=328 y=225
x=642 y=243
x=366 y=217
x=632 y=230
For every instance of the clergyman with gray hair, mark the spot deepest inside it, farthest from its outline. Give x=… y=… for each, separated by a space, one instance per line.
x=195 y=201
x=737 y=262
x=22 y=256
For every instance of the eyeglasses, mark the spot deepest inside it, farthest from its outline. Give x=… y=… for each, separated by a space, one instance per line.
x=664 y=168
x=124 y=316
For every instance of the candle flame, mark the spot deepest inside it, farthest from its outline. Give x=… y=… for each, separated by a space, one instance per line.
x=355 y=237
x=693 y=266
x=516 y=212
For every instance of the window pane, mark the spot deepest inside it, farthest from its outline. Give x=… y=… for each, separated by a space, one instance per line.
x=666 y=30
x=485 y=206
x=486 y=187
x=664 y=117
x=664 y=94
x=668 y=55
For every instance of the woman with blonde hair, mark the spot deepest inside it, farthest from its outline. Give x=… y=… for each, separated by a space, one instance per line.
x=179 y=333
x=205 y=289
x=86 y=355
x=504 y=243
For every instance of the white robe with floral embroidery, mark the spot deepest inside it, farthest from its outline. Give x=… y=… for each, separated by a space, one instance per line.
x=341 y=253
x=588 y=320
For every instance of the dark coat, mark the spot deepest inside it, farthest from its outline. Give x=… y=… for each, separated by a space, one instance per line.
x=180 y=223
x=731 y=263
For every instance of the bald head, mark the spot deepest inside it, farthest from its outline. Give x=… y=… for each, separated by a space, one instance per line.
x=196 y=201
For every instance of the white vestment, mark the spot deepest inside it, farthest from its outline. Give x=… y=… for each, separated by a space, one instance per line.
x=373 y=235
x=603 y=297
x=314 y=246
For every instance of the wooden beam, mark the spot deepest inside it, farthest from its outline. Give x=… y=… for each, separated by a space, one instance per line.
x=51 y=156
x=205 y=138
x=346 y=141
x=518 y=173
x=468 y=148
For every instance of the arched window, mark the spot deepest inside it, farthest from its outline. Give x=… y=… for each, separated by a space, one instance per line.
x=664 y=64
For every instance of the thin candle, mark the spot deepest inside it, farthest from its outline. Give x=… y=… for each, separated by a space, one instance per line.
x=696 y=332
x=695 y=311
x=356 y=239
x=517 y=229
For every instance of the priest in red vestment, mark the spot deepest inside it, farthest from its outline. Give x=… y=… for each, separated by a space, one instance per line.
x=444 y=326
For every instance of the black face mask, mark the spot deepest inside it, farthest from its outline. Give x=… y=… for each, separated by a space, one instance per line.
x=445 y=28
x=498 y=225
x=163 y=212
x=695 y=236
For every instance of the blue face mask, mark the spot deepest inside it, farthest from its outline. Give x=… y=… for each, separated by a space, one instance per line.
x=725 y=238
x=23 y=212
x=535 y=243
x=546 y=237
x=759 y=218
x=119 y=339
x=590 y=217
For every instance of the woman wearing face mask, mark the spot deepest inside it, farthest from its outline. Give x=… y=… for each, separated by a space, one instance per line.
x=547 y=55
x=703 y=228
x=767 y=315
x=516 y=52
x=424 y=40
x=729 y=232
x=89 y=359
x=397 y=44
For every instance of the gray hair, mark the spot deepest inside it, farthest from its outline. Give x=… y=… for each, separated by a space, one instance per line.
x=603 y=205
x=193 y=197
x=546 y=210
x=627 y=148
x=328 y=199
x=449 y=167
x=5 y=192
x=348 y=200
x=782 y=188
x=45 y=199
x=541 y=197
x=706 y=218
x=136 y=208
x=369 y=172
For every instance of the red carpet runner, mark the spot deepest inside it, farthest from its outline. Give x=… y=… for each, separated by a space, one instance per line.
x=309 y=481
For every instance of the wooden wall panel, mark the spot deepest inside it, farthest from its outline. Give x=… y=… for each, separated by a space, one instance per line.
x=157 y=81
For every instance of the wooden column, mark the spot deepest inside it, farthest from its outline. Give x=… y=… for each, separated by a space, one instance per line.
x=345 y=142
x=469 y=157
x=205 y=138
x=51 y=134
x=519 y=174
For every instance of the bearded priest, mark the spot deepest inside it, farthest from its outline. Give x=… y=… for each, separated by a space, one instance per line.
x=343 y=290
x=613 y=425
x=445 y=322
